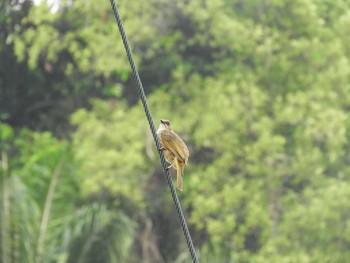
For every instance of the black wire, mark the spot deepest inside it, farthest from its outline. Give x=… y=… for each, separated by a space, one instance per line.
x=155 y=137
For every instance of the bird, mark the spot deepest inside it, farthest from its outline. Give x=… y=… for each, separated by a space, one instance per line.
x=175 y=150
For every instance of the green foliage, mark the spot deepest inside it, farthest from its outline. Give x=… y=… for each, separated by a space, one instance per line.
x=315 y=230
x=110 y=149
x=259 y=90
x=41 y=196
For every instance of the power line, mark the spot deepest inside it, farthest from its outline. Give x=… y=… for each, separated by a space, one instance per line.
x=153 y=130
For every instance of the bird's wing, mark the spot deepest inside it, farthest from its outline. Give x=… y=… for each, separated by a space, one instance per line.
x=175 y=144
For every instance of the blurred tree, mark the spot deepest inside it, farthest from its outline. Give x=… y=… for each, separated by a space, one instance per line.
x=258 y=89
x=44 y=217
x=272 y=125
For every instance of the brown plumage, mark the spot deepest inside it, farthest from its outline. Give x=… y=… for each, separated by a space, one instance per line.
x=175 y=150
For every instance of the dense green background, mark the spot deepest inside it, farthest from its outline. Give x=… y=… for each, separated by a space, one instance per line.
x=259 y=90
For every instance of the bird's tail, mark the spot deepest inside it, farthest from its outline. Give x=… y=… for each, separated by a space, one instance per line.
x=179 y=173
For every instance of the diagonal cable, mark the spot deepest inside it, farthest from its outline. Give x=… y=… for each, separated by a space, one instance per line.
x=153 y=130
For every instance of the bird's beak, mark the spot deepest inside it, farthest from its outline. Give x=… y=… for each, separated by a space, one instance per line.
x=161 y=121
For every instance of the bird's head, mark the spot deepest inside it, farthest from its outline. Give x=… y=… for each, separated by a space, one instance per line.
x=165 y=124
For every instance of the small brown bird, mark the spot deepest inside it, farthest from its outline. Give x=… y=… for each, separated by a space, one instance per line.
x=175 y=150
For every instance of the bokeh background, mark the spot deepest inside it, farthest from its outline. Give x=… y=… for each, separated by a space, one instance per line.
x=258 y=89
